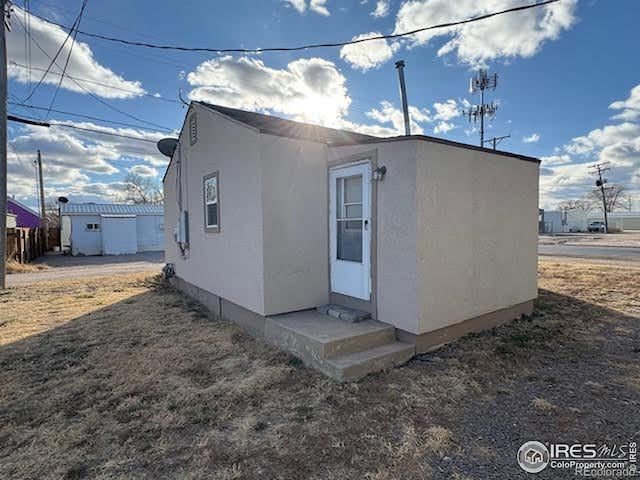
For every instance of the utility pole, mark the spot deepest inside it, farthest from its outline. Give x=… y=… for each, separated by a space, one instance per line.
x=479 y=83
x=43 y=211
x=4 y=10
x=403 y=96
x=599 y=169
x=495 y=141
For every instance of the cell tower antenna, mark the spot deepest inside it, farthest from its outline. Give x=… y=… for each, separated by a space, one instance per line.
x=480 y=82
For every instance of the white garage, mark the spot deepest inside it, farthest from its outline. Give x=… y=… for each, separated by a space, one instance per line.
x=119 y=234
x=111 y=229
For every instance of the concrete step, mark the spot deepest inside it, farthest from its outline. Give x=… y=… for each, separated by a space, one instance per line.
x=316 y=337
x=354 y=366
x=344 y=313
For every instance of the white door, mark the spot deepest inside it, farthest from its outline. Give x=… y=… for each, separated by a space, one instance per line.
x=350 y=229
x=118 y=235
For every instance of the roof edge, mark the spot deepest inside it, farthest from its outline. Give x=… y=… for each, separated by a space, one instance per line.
x=441 y=141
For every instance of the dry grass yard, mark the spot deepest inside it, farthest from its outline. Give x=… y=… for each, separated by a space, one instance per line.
x=122 y=377
x=16 y=267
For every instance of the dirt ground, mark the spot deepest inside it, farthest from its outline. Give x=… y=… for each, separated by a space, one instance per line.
x=624 y=239
x=122 y=377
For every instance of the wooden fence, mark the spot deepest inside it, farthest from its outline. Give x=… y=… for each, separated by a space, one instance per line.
x=24 y=244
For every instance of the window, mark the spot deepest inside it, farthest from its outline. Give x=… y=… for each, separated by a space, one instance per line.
x=212 y=203
x=349 y=218
x=93 y=227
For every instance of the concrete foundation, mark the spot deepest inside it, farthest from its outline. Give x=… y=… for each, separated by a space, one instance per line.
x=430 y=341
x=341 y=350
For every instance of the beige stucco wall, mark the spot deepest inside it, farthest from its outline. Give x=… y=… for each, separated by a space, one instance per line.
x=229 y=263
x=477 y=233
x=270 y=255
x=396 y=279
x=294 y=212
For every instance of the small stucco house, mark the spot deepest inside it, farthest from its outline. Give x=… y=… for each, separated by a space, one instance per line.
x=111 y=229
x=352 y=252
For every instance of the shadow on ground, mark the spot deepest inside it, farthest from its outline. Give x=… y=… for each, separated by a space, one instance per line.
x=152 y=387
x=59 y=260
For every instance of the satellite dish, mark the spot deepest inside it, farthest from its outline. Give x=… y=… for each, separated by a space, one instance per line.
x=63 y=200
x=167 y=146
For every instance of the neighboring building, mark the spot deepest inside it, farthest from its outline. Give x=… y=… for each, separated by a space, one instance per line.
x=569 y=221
x=111 y=229
x=25 y=216
x=275 y=218
x=12 y=220
x=624 y=221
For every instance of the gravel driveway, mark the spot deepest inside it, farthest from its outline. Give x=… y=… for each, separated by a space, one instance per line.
x=68 y=267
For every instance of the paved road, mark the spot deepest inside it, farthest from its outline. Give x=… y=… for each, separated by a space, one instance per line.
x=615 y=253
x=67 y=267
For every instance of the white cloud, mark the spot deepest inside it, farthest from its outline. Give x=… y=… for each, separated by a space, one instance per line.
x=603 y=137
x=317 y=6
x=382 y=9
x=533 y=138
x=519 y=34
x=568 y=175
x=74 y=159
x=299 y=5
x=630 y=107
x=82 y=63
x=366 y=55
x=311 y=90
x=556 y=160
x=443 y=127
x=388 y=114
x=447 y=110
x=144 y=170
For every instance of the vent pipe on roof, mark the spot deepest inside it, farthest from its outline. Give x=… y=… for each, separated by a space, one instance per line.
x=403 y=96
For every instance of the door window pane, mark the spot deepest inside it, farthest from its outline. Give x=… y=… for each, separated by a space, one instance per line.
x=353 y=211
x=353 y=189
x=349 y=240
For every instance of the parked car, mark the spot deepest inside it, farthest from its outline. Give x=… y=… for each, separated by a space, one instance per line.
x=596 y=227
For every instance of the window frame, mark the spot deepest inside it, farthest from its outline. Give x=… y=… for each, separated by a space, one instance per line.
x=211 y=228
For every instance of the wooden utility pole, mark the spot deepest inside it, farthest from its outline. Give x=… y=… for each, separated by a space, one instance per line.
x=599 y=169
x=43 y=210
x=496 y=140
x=3 y=143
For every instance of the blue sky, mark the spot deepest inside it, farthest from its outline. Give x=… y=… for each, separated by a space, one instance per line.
x=567 y=74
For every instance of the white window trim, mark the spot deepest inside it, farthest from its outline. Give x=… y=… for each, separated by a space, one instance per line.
x=207 y=227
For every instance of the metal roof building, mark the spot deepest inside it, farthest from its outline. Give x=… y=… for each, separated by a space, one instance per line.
x=111 y=229
x=110 y=209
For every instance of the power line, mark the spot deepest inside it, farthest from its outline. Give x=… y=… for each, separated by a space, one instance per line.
x=66 y=63
x=38 y=123
x=53 y=60
x=80 y=115
x=90 y=93
x=106 y=85
x=303 y=47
